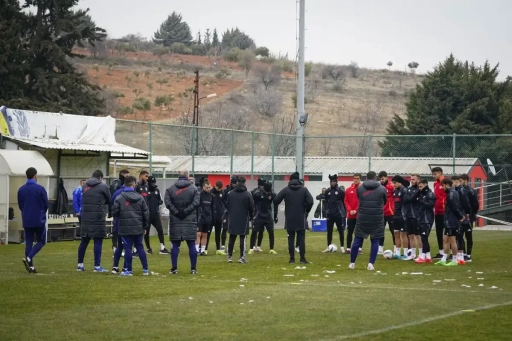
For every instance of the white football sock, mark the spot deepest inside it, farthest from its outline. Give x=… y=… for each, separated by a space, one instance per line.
x=413 y=252
x=420 y=250
x=202 y=248
x=381 y=248
x=428 y=255
x=422 y=255
x=444 y=258
x=197 y=247
x=81 y=265
x=162 y=246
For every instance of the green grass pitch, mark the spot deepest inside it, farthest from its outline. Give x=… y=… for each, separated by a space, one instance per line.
x=267 y=299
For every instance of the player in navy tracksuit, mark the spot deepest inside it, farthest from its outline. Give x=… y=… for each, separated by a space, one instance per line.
x=33 y=204
x=118 y=253
x=77 y=200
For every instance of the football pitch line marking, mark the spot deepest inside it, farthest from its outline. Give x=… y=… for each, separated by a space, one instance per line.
x=422 y=321
x=360 y=286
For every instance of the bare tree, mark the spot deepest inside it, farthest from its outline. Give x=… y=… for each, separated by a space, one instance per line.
x=336 y=72
x=268 y=76
x=312 y=87
x=284 y=136
x=266 y=102
x=326 y=144
x=369 y=119
x=224 y=115
x=246 y=61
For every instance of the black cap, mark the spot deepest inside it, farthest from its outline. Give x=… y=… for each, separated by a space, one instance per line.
x=151 y=180
x=333 y=178
x=234 y=179
x=295 y=176
x=261 y=182
x=267 y=186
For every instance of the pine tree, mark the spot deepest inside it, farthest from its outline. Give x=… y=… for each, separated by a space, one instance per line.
x=198 y=41
x=457 y=97
x=38 y=47
x=207 y=39
x=215 y=38
x=173 y=30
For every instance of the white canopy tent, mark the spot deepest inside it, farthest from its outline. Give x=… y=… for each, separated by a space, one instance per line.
x=13 y=164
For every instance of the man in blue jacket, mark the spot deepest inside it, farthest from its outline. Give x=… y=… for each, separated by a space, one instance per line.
x=33 y=204
x=77 y=200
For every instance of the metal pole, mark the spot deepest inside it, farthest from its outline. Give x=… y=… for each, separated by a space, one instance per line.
x=454 y=151
x=196 y=109
x=192 y=147
x=300 y=90
x=273 y=152
x=232 y=152
x=252 y=155
x=150 y=148
x=369 y=152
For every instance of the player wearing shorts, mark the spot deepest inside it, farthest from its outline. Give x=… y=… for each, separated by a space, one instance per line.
x=465 y=208
x=475 y=206
x=410 y=210
x=437 y=173
x=389 y=208
x=399 y=231
x=205 y=213
x=452 y=223
x=264 y=217
x=426 y=201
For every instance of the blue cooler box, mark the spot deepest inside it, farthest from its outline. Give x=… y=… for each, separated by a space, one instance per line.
x=319 y=225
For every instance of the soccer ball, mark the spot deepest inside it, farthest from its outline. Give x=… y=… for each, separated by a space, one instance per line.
x=388 y=254
x=333 y=248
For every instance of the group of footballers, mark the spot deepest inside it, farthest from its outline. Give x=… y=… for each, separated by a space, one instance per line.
x=411 y=210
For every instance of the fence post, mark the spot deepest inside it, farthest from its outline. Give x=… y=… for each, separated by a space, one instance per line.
x=150 y=147
x=252 y=155
x=273 y=154
x=232 y=152
x=192 y=149
x=369 y=152
x=453 y=152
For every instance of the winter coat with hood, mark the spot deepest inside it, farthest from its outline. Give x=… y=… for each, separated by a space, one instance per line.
x=182 y=201
x=297 y=205
x=132 y=212
x=370 y=219
x=351 y=201
x=154 y=200
x=335 y=197
x=240 y=210
x=219 y=204
x=410 y=202
x=95 y=205
x=426 y=202
x=473 y=200
x=206 y=210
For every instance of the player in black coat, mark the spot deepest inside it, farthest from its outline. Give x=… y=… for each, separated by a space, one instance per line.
x=298 y=203
x=220 y=208
x=264 y=217
x=475 y=206
x=240 y=210
x=206 y=213
x=335 y=211
x=154 y=201
x=426 y=202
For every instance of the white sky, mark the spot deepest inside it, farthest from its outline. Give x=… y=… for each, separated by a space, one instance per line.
x=369 y=32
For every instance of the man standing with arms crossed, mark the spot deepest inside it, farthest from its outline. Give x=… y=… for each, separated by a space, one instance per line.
x=240 y=209
x=437 y=173
x=351 y=205
x=265 y=216
x=411 y=215
x=33 y=204
x=220 y=207
x=335 y=213
x=297 y=205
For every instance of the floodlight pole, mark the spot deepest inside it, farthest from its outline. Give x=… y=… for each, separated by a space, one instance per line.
x=300 y=91
x=195 y=119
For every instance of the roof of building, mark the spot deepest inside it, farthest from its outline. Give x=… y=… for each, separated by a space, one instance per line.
x=16 y=162
x=63 y=131
x=315 y=165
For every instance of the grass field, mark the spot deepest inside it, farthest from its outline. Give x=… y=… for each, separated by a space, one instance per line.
x=260 y=300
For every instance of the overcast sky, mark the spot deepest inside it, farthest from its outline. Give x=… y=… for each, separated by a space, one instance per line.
x=369 y=32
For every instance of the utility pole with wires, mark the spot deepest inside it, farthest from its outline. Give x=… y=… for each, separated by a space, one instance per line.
x=195 y=118
x=301 y=118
